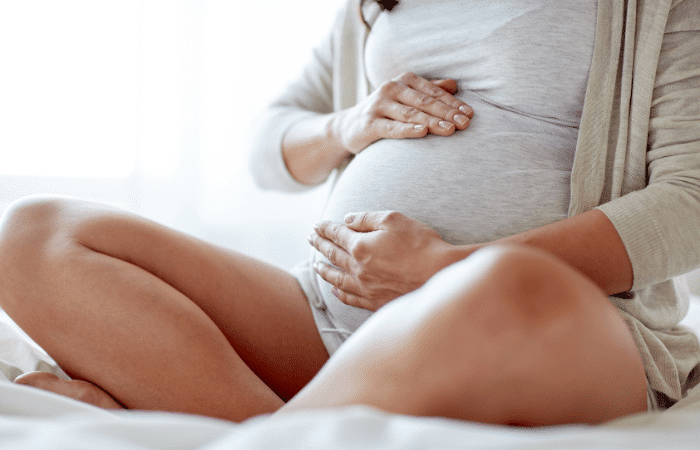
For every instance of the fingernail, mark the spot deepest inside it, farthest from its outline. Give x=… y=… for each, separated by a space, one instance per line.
x=460 y=119
x=311 y=239
x=334 y=291
x=317 y=266
x=418 y=127
x=349 y=218
x=444 y=124
x=466 y=110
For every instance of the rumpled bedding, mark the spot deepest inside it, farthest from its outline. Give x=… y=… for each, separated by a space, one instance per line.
x=35 y=419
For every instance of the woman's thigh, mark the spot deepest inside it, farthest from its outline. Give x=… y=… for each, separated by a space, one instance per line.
x=510 y=335
x=82 y=247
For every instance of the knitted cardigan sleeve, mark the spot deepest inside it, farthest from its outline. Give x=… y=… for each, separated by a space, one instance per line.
x=310 y=94
x=660 y=223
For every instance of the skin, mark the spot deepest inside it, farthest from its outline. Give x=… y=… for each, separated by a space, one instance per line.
x=76 y=389
x=380 y=255
x=139 y=314
x=527 y=340
x=407 y=107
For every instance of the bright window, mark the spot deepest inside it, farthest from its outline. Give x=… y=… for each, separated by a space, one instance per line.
x=148 y=105
x=68 y=88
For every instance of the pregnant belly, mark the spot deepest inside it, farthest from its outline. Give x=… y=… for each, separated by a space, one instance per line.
x=470 y=191
x=468 y=195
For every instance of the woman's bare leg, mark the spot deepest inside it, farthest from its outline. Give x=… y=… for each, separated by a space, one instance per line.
x=509 y=336
x=157 y=319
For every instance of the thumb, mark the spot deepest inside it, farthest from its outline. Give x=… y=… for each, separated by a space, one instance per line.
x=363 y=222
x=449 y=85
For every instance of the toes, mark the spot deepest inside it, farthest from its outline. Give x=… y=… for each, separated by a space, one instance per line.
x=37 y=379
x=90 y=393
x=76 y=389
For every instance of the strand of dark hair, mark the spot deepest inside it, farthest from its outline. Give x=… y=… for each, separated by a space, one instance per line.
x=384 y=5
x=387 y=5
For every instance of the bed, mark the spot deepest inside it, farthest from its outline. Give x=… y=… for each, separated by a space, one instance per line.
x=34 y=419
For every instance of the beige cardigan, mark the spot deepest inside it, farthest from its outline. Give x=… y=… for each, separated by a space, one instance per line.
x=637 y=158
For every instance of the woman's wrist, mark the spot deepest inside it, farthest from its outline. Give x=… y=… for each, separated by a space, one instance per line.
x=447 y=254
x=311 y=150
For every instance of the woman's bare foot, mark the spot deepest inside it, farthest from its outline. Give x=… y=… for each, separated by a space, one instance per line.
x=76 y=389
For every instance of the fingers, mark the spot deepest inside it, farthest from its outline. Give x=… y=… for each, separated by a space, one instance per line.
x=354 y=300
x=434 y=89
x=339 y=279
x=345 y=287
x=433 y=99
x=433 y=121
x=448 y=85
x=408 y=106
x=331 y=240
x=392 y=129
x=335 y=233
x=367 y=221
x=411 y=106
x=333 y=252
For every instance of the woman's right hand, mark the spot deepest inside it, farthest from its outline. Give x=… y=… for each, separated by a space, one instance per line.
x=408 y=106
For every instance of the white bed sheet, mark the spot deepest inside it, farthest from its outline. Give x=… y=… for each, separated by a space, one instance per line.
x=34 y=419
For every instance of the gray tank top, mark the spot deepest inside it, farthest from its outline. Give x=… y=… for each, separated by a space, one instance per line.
x=522 y=65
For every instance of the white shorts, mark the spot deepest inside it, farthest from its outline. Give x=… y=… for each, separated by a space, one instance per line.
x=331 y=335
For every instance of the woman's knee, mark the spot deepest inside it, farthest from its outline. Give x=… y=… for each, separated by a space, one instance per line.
x=28 y=224
x=37 y=235
x=40 y=222
x=528 y=320
x=27 y=235
x=517 y=283
x=520 y=298
x=539 y=286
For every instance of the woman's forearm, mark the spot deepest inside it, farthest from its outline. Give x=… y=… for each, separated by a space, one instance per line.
x=310 y=150
x=406 y=107
x=587 y=241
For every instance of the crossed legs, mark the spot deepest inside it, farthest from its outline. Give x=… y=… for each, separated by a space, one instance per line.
x=157 y=319
x=162 y=321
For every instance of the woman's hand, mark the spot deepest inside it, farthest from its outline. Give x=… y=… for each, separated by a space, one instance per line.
x=377 y=256
x=406 y=107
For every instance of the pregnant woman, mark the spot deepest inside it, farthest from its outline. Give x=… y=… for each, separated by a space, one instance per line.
x=516 y=183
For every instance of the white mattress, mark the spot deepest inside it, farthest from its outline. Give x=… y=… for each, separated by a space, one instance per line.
x=31 y=418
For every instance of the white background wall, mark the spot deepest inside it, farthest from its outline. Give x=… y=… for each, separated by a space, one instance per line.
x=148 y=105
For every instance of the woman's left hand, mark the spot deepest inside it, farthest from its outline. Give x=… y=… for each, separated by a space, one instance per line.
x=377 y=256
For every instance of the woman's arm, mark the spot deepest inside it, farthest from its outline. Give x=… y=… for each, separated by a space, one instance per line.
x=406 y=107
x=588 y=242
x=379 y=256
x=308 y=131
x=309 y=150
